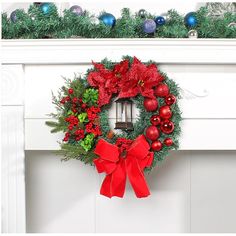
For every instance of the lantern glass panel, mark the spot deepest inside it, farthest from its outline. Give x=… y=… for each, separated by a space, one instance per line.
x=128 y=111
x=119 y=113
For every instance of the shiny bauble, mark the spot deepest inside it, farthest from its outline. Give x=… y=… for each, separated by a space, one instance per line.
x=160 y=20
x=108 y=19
x=190 y=19
x=166 y=16
x=162 y=90
x=232 y=25
x=46 y=8
x=156 y=146
x=13 y=17
x=38 y=4
x=168 y=142
x=170 y=99
x=155 y=120
x=94 y=20
x=152 y=133
x=149 y=26
x=192 y=34
x=142 y=13
x=167 y=126
x=165 y=112
x=77 y=10
x=150 y=104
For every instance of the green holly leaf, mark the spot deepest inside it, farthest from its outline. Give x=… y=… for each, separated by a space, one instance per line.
x=90 y=96
x=87 y=142
x=83 y=117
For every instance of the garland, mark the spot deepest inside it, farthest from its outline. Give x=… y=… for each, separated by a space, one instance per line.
x=42 y=22
x=82 y=114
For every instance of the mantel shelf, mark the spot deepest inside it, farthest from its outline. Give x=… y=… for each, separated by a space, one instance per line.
x=170 y=51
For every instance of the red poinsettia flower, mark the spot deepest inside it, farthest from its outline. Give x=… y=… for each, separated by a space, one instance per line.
x=107 y=81
x=140 y=80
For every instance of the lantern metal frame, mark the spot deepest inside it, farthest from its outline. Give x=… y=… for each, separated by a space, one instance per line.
x=124 y=125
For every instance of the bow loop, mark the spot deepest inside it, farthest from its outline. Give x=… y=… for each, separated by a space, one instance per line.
x=107 y=151
x=116 y=167
x=139 y=148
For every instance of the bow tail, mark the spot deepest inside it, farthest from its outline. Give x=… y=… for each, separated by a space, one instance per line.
x=136 y=178
x=114 y=183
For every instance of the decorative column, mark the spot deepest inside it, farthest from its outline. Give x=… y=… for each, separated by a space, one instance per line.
x=13 y=157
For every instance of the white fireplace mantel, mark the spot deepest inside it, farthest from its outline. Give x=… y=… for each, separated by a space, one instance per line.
x=66 y=51
x=204 y=68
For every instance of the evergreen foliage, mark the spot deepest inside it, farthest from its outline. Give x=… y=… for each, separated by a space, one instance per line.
x=83 y=150
x=36 y=25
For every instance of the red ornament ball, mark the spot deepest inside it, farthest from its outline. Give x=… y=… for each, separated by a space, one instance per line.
x=155 y=120
x=156 y=146
x=167 y=126
x=168 y=142
x=170 y=99
x=70 y=91
x=150 y=104
x=162 y=90
x=152 y=133
x=165 y=112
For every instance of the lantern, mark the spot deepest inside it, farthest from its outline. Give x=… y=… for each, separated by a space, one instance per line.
x=124 y=114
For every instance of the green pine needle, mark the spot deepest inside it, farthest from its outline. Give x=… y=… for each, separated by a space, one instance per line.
x=36 y=25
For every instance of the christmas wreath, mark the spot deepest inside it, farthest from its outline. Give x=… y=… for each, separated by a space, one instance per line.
x=83 y=105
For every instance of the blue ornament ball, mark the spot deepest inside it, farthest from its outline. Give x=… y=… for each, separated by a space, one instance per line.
x=190 y=19
x=77 y=10
x=160 y=20
x=149 y=26
x=108 y=19
x=13 y=17
x=45 y=8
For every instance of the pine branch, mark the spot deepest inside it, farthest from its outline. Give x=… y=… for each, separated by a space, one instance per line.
x=35 y=25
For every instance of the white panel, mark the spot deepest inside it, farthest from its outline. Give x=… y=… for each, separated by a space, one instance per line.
x=39 y=137
x=60 y=195
x=197 y=134
x=213 y=192
x=166 y=210
x=208 y=134
x=208 y=91
x=202 y=95
x=12 y=82
x=13 y=182
x=41 y=81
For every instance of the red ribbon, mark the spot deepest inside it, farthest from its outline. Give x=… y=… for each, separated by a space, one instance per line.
x=117 y=167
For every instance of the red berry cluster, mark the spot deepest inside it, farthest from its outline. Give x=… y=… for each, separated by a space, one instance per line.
x=75 y=132
x=123 y=144
x=160 y=122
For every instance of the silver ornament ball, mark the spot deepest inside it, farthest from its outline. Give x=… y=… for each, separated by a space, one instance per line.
x=95 y=20
x=232 y=25
x=192 y=34
x=166 y=16
x=142 y=13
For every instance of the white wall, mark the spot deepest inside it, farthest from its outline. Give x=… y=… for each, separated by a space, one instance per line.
x=192 y=191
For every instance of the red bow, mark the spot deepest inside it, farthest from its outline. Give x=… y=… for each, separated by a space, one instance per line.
x=117 y=167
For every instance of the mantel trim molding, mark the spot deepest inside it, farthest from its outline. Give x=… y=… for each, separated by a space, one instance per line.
x=59 y=51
